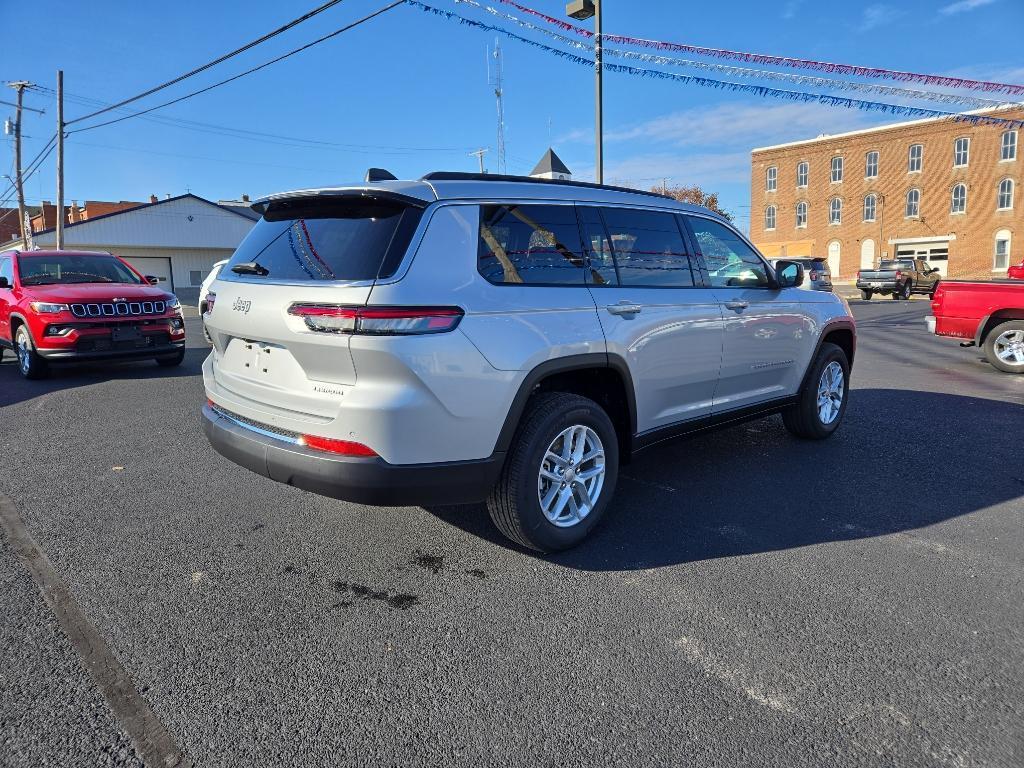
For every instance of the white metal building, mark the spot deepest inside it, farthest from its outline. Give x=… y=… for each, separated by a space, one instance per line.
x=177 y=239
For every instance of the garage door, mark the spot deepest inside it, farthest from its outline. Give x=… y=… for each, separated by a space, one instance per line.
x=156 y=266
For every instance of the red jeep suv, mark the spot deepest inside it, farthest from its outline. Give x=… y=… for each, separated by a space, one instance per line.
x=70 y=306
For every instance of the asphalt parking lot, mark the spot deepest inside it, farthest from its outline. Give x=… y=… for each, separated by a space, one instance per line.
x=752 y=599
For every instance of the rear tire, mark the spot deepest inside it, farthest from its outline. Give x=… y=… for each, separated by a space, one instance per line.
x=30 y=364
x=531 y=475
x=866 y=295
x=821 y=404
x=169 y=361
x=1004 y=345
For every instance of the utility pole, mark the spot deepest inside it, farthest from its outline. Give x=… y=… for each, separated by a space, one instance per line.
x=499 y=93
x=479 y=154
x=60 y=159
x=20 y=87
x=582 y=10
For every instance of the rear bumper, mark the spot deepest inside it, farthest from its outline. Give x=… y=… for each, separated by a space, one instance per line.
x=876 y=285
x=142 y=353
x=360 y=480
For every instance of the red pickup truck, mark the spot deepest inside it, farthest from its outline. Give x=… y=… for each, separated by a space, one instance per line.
x=985 y=314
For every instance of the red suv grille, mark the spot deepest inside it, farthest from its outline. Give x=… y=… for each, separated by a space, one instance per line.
x=119 y=309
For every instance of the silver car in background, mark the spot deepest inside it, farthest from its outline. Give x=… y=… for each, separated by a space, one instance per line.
x=817 y=275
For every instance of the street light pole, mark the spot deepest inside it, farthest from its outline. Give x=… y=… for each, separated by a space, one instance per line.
x=582 y=10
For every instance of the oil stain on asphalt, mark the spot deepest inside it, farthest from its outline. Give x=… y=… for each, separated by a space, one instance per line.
x=428 y=561
x=401 y=601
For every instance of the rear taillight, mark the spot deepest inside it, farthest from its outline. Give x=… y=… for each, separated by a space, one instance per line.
x=340 y=447
x=377 y=321
x=814 y=275
x=210 y=299
x=898 y=274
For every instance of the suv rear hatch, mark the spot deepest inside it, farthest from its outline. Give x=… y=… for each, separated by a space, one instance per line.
x=322 y=249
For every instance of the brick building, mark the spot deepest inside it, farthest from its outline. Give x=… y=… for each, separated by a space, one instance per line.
x=946 y=191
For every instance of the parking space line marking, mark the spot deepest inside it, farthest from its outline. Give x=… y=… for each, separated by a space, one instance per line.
x=151 y=739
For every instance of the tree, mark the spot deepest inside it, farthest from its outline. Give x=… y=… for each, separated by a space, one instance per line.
x=696 y=196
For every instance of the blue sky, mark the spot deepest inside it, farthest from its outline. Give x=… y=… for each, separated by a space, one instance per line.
x=409 y=91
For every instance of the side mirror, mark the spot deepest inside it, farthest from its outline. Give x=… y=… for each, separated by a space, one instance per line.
x=152 y=279
x=4 y=283
x=933 y=270
x=789 y=274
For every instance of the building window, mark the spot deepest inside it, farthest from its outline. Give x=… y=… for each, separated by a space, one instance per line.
x=801 y=215
x=1005 y=197
x=958 y=204
x=1001 y=260
x=1008 y=146
x=961 y=152
x=771 y=179
x=835 y=211
x=913 y=203
x=914 y=158
x=769 y=217
x=870 y=202
x=837 y=170
x=871 y=165
x=195 y=277
x=802 y=172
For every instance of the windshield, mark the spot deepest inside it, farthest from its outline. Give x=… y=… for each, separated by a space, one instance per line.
x=69 y=269
x=339 y=239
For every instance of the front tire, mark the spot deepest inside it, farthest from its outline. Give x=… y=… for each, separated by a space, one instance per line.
x=1004 y=346
x=821 y=403
x=559 y=475
x=30 y=364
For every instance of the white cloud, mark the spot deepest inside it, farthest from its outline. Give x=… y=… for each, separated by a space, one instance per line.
x=734 y=126
x=963 y=6
x=880 y=15
x=789 y=9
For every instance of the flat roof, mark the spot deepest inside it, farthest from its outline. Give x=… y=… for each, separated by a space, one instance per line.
x=887 y=127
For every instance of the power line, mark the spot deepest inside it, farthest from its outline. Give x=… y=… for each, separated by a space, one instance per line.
x=260 y=136
x=337 y=32
x=215 y=62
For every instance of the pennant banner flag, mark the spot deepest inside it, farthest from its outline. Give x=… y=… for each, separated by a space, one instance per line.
x=782 y=61
x=761 y=74
x=706 y=82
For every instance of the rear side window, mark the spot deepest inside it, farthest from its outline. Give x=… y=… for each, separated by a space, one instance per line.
x=7 y=270
x=635 y=248
x=342 y=239
x=530 y=244
x=730 y=261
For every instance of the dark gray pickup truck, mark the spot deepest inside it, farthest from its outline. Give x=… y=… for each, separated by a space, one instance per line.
x=899 y=278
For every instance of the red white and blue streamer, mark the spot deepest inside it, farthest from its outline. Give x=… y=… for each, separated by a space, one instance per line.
x=782 y=61
x=706 y=82
x=746 y=72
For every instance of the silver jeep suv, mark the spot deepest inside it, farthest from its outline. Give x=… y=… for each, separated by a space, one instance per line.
x=467 y=338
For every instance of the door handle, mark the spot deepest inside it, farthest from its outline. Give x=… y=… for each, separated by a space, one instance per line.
x=737 y=305
x=624 y=308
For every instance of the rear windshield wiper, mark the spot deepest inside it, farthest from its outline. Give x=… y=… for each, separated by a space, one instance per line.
x=250 y=268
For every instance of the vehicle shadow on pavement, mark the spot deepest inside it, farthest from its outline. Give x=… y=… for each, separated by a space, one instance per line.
x=902 y=461
x=15 y=389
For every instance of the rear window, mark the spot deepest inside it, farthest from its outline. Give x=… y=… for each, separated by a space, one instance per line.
x=73 y=268
x=901 y=264
x=346 y=240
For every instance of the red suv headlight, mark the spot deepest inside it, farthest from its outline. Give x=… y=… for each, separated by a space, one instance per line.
x=47 y=308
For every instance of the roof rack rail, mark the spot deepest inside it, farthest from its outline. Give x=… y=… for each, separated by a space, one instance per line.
x=460 y=176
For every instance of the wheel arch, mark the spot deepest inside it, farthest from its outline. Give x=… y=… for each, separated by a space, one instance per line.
x=599 y=376
x=843 y=334
x=18 y=320
x=989 y=322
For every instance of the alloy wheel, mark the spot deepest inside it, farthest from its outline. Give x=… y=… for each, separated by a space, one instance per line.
x=571 y=477
x=1009 y=347
x=24 y=359
x=831 y=388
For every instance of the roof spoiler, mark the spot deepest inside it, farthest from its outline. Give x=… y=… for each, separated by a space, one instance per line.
x=261 y=205
x=379 y=174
